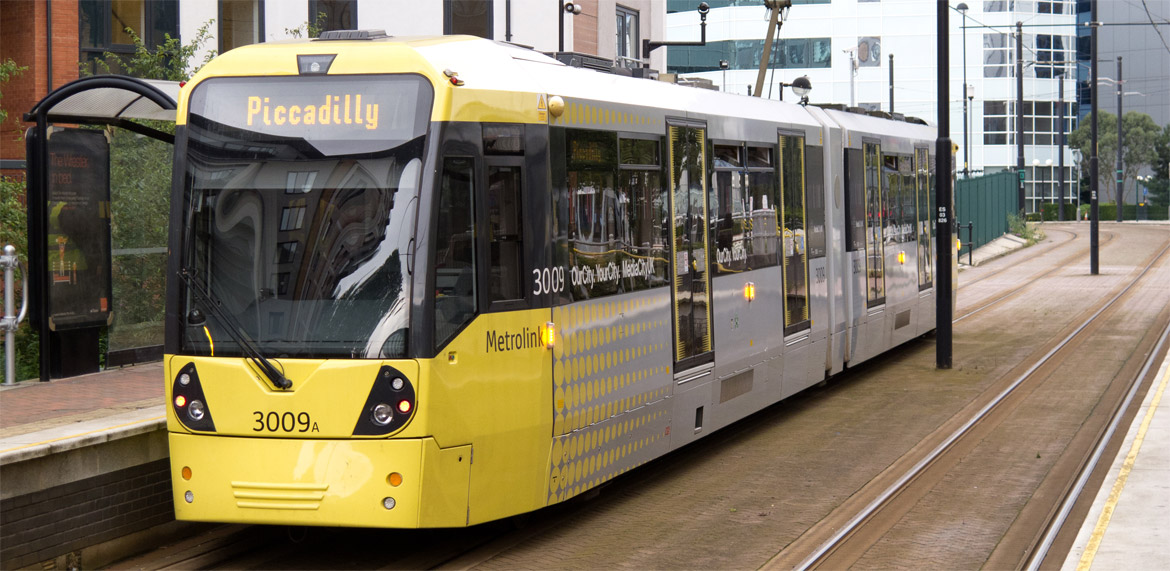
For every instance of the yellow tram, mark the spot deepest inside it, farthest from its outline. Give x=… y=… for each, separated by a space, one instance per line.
x=433 y=282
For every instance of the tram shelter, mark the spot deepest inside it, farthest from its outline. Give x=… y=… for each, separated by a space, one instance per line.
x=69 y=211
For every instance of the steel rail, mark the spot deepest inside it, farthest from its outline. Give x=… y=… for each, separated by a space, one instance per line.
x=871 y=508
x=1057 y=523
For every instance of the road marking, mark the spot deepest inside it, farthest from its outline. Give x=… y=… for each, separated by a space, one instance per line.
x=1115 y=494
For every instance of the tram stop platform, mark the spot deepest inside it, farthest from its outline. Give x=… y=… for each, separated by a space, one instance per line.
x=85 y=469
x=1128 y=526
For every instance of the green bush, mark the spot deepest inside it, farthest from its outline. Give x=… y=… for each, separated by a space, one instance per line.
x=1049 y=211
x=14 y=231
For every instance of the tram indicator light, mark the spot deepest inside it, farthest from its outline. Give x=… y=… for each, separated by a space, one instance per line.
x=404 y=406
x=180 y=401
x=548 y=335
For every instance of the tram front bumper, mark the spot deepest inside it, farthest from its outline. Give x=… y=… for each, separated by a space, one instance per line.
x=405 y=483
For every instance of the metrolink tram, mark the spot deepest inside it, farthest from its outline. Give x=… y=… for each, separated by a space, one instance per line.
x=433 y=282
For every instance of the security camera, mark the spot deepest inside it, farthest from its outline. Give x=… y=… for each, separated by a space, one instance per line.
x=703 y=8
x=572 y=8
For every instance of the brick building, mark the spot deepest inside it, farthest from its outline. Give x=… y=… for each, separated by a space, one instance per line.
x=43 y=37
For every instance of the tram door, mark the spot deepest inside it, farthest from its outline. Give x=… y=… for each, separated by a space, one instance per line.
x=691 y=282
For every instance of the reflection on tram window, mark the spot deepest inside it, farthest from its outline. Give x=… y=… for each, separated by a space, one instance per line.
x=743 y=205
x=300 y=234
x=455 y=250
x=874 y=224
x=506 y=234
x=617 y=214
x=792 y=194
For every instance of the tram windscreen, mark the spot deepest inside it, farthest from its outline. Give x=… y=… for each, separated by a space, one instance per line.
x=299 y=206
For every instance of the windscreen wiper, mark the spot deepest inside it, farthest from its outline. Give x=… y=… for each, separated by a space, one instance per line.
x=234 y=330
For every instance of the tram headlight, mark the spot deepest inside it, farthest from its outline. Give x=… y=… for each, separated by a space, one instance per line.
x=382 y=414
x=196 y=410
x=188 y=401
x=389 y=406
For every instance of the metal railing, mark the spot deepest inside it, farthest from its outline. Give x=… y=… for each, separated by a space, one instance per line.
x=9 y=321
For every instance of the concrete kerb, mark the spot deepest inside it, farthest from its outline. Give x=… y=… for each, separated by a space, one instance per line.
x=59 y=439
x=996 y=248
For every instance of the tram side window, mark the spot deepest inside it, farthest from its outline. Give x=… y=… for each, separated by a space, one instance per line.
x=454 y=260
x=763 y=207
x=925 y=246
x=596 y=230
x=731 y=225
x=744 y=224
x=647 y=205
x=874 y=223
x=794 y=222
x=814 y=161
x=898 y=187
x=854 y=201
x=505 y=225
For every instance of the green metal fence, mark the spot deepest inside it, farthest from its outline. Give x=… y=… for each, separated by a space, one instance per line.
x=987 y=201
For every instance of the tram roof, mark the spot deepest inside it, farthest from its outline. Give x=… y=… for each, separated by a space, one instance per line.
x=500 y=67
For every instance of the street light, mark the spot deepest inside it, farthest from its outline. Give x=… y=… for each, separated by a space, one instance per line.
x=801 y=86
x=566 y=8
x=1047 y=165
x=968 y=93
x=1036 y=192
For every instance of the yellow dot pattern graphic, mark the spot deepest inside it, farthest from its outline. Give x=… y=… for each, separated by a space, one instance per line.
x=612 y=376
x=581 y=114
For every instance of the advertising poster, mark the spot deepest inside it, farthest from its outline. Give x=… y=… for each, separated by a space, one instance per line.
x=78 y=206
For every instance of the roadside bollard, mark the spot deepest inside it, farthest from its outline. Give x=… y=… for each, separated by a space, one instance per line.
x=9 y=321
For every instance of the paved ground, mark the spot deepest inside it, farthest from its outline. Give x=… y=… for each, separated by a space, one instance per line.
x=33 y=406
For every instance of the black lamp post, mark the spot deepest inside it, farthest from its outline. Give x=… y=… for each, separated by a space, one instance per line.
x=962 y=8
x=801 y=86
x=571 y=9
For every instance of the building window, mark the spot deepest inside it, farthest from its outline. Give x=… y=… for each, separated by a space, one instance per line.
x=995 y=55
x=241 y=22
x=794 y=53
x=111 y=26
x=471 y=17
x=1041 y=122
x=995 y=123
x=627 y=37
x=334 y=14
x=1056 y=49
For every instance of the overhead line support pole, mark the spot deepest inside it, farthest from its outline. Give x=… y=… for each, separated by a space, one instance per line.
x=944 y=312
x=1094 y=181
x=1020 y=117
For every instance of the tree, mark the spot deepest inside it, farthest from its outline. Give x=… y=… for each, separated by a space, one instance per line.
x=1140 y=135
x=1159 y=186
x=8 y=69
x=170 y=60
x=1081 y=139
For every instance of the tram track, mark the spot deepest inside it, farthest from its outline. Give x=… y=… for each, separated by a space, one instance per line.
x=842 y=538
x=1032 y=279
